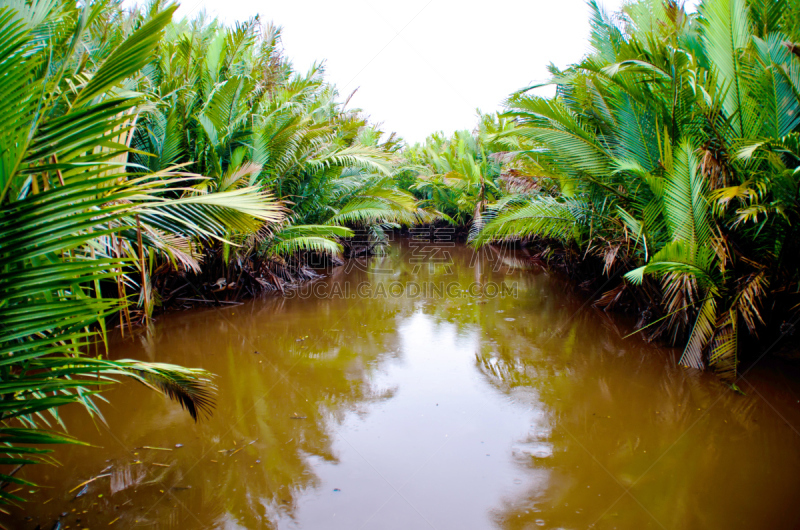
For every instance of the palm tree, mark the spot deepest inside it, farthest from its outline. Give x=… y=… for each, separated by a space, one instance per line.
x=227 y=102
x=76 y=214
x=671 y=146
x=458 y=176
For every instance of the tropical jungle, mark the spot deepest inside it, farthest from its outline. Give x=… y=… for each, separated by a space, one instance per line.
x=178 y=202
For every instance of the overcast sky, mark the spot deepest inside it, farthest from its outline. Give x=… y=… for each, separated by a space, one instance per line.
x=423 y=65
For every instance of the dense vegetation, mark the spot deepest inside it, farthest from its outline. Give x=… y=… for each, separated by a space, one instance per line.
x=144 y=161
x=227 y=103
x=135 y=151
x=671 y=153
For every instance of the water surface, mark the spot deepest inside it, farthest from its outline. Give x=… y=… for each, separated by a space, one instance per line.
x=392 y=398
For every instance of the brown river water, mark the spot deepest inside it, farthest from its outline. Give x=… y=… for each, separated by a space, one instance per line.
x=426 y=389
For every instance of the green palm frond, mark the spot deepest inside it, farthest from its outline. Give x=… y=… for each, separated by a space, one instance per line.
x=538 y=217
x=378 y=205
x=686 y=208
x=309 y=238
x=314 y=231
x=562 y=134
x=213 y=214
x=364 y=157
x=191 y=387
x=321 y=245
x=678 y=257
x=727 y=33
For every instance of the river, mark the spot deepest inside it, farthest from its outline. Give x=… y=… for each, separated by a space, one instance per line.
x=428 y=388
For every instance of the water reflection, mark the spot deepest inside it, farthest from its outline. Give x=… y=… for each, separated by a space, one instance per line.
x=634 y=441
x=432 y=408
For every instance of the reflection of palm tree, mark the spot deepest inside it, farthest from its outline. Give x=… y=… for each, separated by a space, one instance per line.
x=318 y=379
x=612 y=406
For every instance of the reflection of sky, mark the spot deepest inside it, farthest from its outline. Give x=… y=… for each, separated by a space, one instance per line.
x=438 y=452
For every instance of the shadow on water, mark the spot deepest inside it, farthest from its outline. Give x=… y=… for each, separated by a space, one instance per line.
x=427 y=389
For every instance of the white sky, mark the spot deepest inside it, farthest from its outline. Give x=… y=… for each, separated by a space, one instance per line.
x=423 y=65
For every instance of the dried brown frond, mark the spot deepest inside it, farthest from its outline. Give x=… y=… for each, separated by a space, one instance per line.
x=503 y=157
x=714 y=165
x=609 y=255
x=751 y=290
x=720 y=245
x=680 y=294
x=611 y=297
x=517 y=182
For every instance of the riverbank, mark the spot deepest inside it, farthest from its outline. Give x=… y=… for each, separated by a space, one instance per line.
x=599 y=281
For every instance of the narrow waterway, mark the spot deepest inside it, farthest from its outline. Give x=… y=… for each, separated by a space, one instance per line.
x=428 y=388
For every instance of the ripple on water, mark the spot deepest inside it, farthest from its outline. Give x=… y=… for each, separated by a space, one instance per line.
x=535 y=450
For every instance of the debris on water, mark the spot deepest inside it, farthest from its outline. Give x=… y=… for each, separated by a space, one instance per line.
x=539 y=522
x=178 y=446
x=509 y=319
x=257 y=352
x=57 y=526
x=85 y=484
x=336 y=489
x=156 y=448
x=232 y=452
x=296 y=417
x=82 y=492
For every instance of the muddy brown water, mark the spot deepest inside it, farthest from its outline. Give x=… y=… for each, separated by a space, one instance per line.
x=394 y=395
